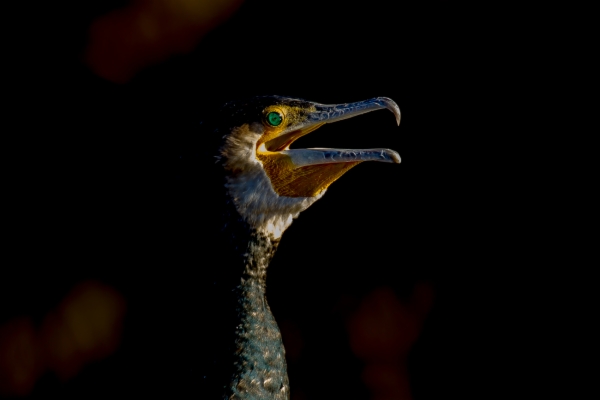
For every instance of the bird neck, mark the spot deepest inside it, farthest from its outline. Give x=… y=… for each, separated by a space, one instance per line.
x=260 y=367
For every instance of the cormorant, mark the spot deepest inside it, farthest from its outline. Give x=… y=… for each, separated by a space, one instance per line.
x=254 y=186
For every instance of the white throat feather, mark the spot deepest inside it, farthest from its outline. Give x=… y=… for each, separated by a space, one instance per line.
x=251 y=189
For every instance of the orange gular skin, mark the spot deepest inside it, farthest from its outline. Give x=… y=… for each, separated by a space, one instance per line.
x=308 y=181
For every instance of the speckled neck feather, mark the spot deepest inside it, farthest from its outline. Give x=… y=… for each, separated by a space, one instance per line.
x=223 y=325
x=260 y=367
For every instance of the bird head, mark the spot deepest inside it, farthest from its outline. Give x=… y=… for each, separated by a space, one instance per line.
x=269 y=183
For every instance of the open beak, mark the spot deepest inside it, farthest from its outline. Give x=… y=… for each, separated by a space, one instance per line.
x=323 y=114
x=307 y=172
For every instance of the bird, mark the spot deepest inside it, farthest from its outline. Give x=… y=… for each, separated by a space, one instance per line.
x=252 y=186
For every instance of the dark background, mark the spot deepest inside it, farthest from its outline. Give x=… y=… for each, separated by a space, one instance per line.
x=411 y=281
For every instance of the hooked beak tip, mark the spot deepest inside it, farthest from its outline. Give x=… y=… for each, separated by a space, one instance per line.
x=392 y=106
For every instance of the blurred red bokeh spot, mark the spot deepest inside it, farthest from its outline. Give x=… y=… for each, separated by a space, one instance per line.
x=20 y=359
x=382 y=331
x=387 y=381
x=148 y=31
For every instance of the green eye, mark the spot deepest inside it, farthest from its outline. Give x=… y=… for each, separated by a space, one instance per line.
x=274 y=118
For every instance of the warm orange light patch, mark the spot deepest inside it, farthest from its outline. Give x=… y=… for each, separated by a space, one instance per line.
x=85 y=327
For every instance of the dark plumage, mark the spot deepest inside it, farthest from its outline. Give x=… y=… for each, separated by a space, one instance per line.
x=244 y=186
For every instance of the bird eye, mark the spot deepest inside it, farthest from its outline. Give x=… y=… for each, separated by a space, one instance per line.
x=274 y=118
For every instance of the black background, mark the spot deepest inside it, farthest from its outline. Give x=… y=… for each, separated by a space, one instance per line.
x=460 y=213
